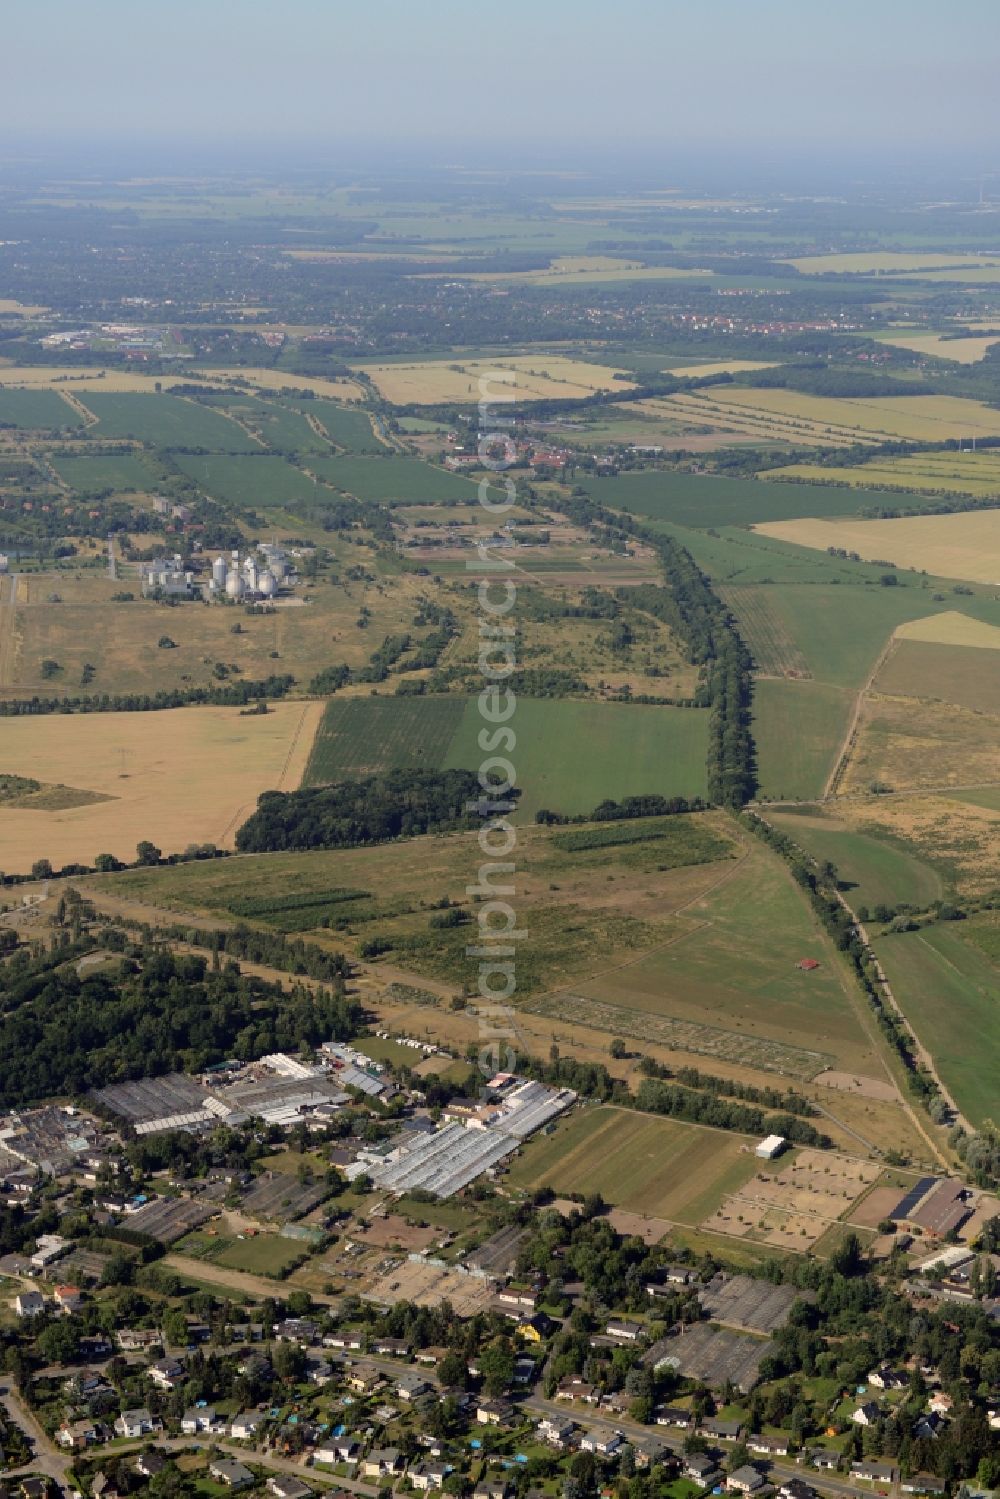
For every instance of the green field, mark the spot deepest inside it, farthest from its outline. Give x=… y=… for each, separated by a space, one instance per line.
x=948 y=673
x=629 y=749
x=572 y=755
x=700 y=500
x=734 y=971
x=264 y=480
x=351 y=430
x=659 y=1167
x=167 y=422
x=37 y=410
x=394 y=481
x=284 y=430
x=361 y=735
x=872 y=870
x=119 y=472
x=946 y=986
x=797 y=729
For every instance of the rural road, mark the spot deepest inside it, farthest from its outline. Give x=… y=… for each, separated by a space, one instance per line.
x=634 y=1432
x=47 y=1457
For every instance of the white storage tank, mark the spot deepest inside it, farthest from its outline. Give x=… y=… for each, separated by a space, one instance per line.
x=235 y=586
x=266 y=583
x=219 y=572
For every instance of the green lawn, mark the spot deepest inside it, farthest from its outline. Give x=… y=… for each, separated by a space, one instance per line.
x=947 y=987
x=571 y=755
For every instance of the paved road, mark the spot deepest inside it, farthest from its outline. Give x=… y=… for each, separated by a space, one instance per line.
x=780 y=1472
x=47 y=1459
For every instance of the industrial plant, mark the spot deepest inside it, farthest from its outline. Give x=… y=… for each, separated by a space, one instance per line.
x=252 y=577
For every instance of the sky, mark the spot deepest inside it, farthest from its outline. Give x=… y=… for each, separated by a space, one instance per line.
x=554 y=79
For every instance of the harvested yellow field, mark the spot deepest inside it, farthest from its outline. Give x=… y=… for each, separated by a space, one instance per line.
x=759 y=414
x=9 y=306
x=925 y=418
x=957 y=836
x=887 y=262
x=966 y=545
x=960 y=473
x=524 y=376
x=951 y=627
x=911 y=744
x=278 y=380
x=720 y=367
x=567 y=270
x=42 y=377
x=961 y=350
x=185 y=775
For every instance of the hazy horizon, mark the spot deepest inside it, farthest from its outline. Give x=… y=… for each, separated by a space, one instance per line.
x=889 y=82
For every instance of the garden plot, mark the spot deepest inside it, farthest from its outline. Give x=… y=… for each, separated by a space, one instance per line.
x=799 y=1203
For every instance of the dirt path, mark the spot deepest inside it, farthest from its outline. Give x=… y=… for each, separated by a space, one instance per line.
x=89 y=419
x=8 y=619
x=840 y=764
x=235 y=1280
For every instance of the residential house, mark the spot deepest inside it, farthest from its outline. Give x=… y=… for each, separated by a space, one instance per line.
x=149 y=1464
x=524 y=1369
x=201 y=1419
x=993 y=1417
x=603 y=1440
x=427 y=1476
x=381 y=1462
x=726 y=1431
x=776 y=1446
x=78 y=1435
x=874 y=1471
x=930 y=1425
x=390 y=1347
x=29 y=1303
x=673 y=1415
x=887 y=1378
x=364 y=1378
x=492 y=1488
x=38 y=1488
x=699 y=1467
x=556 y=1432
x=346 y=1449
x=923 y=1483
x=745 y=1480
x=233 y=1474
x=412 y=1386
x=824 y=1459
x=296 y=1330
x=67 y=1298
x=245 y=1425
x=624 y=1330
x=867 y=1414
x=137 y=1339
x=319 y=1371
x=493 y=1412
x=572 y=1387
x=166 y=1373
x=535 y=1329
x=137 y=1423
x=941 y=1403
x=348 y=1340
x=650 y=1450
x=796 y=1488
x=287 y=1486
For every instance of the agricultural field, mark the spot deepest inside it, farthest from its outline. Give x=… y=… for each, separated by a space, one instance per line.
x=658 y=1167
x=707 y=500
x=394 y=480
x=358 y=736
x=850 y=419
x=934 y=474
x=964 y=546
x=965 y=350
x=909 y=744
x=35 y=410
x=776 y=652
x=166 y=421
x=176 y=777
x=888 y=262
x=933 y=672
x=795 y=1205
x=349 y=429
x=123 y=473
x=525 y=377
x=282 y=382
x=798 y=727
x=572 y=755
x=245 y=479
x=947 y=987
x=728 y=985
